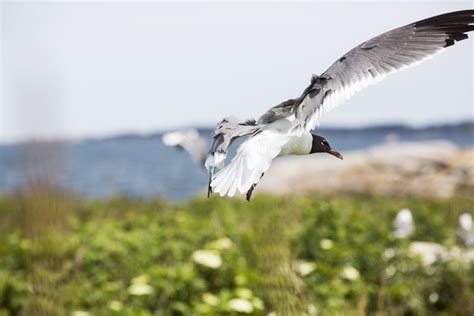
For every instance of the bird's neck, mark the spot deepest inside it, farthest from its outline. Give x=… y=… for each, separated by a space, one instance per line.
x=298 y=145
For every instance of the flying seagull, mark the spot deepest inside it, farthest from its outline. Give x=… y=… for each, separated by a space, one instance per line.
x=189 y=140
x=285 y=128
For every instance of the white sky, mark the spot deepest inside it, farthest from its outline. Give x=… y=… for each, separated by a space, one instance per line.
x=89 y=69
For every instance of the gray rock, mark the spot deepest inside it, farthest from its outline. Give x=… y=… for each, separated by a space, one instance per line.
x=430 y=169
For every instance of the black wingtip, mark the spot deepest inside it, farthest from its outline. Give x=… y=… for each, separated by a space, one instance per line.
x=457 y=37
x=451 y=18
x=449 y=42
x=454 y=24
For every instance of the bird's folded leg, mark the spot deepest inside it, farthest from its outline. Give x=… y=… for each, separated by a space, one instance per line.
x=209 y=187
x=250 y=191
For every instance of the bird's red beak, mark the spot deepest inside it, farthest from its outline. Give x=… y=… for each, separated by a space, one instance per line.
x=335 y=153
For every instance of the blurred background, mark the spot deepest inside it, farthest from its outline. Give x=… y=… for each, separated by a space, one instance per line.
x=101 y=213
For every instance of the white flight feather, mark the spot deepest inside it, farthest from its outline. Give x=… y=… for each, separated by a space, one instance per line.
x=253 y=158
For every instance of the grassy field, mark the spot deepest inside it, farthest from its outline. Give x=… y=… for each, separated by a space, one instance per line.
x=313 y=255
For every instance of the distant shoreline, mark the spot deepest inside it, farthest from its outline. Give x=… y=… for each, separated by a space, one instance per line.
x=438 y=128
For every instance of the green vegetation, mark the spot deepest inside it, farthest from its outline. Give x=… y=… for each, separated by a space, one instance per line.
x=282 y=255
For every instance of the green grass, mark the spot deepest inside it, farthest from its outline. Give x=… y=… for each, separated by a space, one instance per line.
x=60 y=255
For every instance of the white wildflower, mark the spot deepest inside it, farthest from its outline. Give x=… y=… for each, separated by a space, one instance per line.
x=221 y=243
x=210 y=299
x=115 y=305
x=140 y=289
x=257 y=303
x=403 y=225
x=244 y=293
x=141 y=279
x=312 y=310
x=326 y=244
x=241 y=305
x=428 y=251
x=465 y=221
x=304 y=267
x=388 y=254
x=350 y=273
x=434 y=297
x=208 y=258
x=390 y=271
x=140 y=286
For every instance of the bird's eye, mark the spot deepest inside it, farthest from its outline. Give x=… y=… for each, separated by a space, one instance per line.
x=322 y=143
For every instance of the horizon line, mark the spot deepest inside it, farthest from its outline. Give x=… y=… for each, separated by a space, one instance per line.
x=158 y=131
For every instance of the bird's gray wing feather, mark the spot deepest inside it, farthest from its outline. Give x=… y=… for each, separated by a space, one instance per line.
x=376 y=58
x=282 y=110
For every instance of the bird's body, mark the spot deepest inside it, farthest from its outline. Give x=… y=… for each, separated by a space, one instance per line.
x=285 y=128
x=297 y=145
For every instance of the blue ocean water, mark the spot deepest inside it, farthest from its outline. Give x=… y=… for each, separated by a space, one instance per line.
x=144 y=167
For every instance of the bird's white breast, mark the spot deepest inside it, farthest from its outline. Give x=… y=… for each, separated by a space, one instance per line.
x=298 y=145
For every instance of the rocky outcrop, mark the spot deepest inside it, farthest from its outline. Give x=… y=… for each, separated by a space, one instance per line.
x=432 y=169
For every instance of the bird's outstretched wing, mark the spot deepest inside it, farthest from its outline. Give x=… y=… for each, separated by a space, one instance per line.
x=373 y=60
x=253 y=158
x=229 y=129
